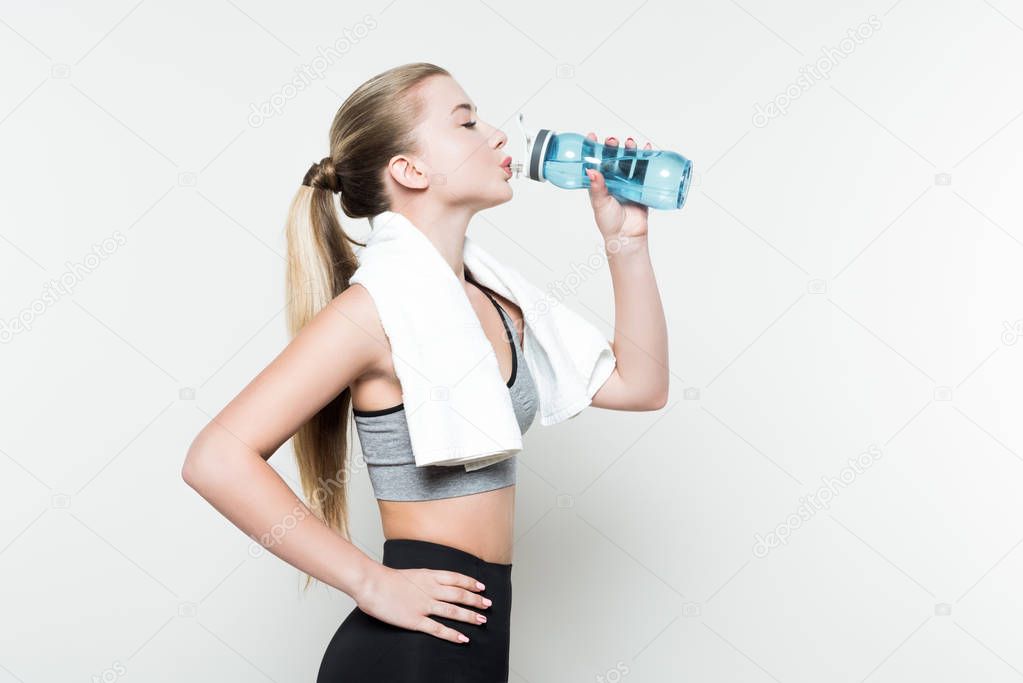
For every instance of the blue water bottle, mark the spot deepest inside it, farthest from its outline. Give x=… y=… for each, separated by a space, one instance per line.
x=656 y=178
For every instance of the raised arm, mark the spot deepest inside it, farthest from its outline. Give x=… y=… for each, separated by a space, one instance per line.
x=640 y=378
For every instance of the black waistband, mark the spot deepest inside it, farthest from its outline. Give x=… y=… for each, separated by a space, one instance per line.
x=408 y=553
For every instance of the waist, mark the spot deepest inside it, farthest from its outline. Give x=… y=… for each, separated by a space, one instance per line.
x=414 y=553
x=400 y=552
x=482 y=524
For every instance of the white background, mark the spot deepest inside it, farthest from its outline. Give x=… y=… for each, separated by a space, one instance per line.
x=846 y=276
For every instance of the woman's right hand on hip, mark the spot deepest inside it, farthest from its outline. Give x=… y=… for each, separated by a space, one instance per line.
x=409 y=597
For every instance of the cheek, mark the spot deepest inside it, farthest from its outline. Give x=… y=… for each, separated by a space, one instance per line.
x=468 y=159
x=483 y=157
x=457 y=156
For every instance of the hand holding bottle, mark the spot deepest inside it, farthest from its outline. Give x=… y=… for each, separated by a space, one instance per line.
x=614 y=219
x=655 y=178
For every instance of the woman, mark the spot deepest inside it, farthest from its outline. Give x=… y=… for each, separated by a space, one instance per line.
x=437 y=607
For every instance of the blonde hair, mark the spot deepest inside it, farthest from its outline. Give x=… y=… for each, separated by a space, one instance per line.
x=375 y=123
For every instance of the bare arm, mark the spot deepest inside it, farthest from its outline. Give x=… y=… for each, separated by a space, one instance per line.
x=227 y=462
x=640 y=378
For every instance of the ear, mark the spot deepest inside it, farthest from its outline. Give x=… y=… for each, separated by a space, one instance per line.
x=408 y=171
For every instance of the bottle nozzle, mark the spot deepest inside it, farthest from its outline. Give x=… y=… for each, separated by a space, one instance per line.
x=519 y=166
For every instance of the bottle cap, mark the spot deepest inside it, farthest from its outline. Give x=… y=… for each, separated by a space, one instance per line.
x=534 y=149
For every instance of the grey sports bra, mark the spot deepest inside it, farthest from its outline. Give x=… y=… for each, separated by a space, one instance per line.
x=387 y=449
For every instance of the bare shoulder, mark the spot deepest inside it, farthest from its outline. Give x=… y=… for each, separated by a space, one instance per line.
x=357 y=306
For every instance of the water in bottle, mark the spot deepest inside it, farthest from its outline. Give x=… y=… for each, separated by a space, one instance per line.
x=655 y=178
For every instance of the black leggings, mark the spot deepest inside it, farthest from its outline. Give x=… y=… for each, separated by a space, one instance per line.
x=365 y=648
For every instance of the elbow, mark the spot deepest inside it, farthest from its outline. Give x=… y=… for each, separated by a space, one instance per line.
x=213 y=461
x=190 y=470
x=657 y=400
x=195 y=469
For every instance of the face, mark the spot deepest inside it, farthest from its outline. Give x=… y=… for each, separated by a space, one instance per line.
x=460 y=156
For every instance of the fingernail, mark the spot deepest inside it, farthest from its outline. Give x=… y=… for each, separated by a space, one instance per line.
x=612 y=141
x=488 y=602
x=480 y=585
x=462 y=637
x=480 y=618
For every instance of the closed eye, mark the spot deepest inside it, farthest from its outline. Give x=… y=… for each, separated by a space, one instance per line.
x=471 y=124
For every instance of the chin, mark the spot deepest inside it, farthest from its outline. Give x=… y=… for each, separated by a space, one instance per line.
x=507 y=192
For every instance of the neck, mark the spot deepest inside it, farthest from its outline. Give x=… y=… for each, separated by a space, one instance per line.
x=445 y=226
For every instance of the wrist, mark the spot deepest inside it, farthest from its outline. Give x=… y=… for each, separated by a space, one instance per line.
x=360 y=577
x=619 y=245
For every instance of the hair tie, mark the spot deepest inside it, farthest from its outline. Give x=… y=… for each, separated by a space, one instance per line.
x=323 y=175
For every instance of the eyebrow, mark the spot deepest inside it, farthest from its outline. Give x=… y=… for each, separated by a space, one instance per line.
x=465 y=105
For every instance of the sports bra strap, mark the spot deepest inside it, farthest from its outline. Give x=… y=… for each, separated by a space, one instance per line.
x=505 y=319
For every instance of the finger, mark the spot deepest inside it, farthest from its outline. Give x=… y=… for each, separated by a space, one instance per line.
x=630 y=147
x=454 y=594
x=449 y=578
x=435 y=628
x=446 y=609
x=591 y=135
x=607 y=153
x=598 y=188
x=648 y=146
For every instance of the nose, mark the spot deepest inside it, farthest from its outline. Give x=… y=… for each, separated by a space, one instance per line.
x=502 y=139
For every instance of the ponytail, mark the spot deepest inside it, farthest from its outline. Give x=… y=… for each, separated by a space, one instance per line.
x=375 y=123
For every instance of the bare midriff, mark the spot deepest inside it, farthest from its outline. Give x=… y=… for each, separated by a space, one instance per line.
x=480 y=523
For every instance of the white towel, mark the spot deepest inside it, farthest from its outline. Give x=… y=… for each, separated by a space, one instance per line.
x=457 y=404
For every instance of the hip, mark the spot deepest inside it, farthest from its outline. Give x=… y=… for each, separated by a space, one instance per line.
x=365 y=648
